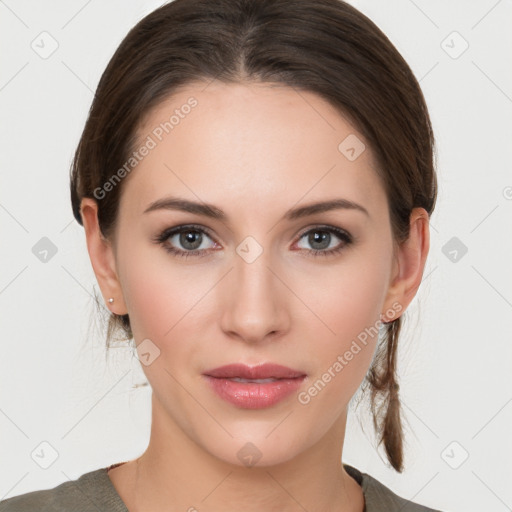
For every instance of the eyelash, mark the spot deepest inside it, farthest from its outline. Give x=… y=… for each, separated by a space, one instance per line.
x=167 y=233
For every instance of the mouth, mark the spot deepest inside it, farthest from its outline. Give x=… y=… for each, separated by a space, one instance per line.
x=259 y=372
x=257 y=381
x=254 y=387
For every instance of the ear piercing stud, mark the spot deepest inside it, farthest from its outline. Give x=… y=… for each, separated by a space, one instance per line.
x=111 y=300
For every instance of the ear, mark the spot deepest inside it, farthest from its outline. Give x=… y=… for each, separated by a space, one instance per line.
x=409 y=263
x=102 y=257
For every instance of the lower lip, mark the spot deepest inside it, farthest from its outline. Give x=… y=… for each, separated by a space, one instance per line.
x=251 y=395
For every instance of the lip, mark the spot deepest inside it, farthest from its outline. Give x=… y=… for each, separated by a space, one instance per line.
x=260 y=371
x=254 y=395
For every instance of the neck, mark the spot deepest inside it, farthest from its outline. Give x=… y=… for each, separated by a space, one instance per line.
x=176 y=470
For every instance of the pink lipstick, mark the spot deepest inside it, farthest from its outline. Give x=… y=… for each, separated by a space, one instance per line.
x=254 y=387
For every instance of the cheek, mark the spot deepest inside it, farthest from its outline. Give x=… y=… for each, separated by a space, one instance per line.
x=349 y=298
x=153 y=292
x=348 y=301
x=147 y=306
x=164 y=299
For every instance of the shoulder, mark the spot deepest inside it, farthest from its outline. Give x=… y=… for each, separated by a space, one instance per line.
x=379 y=498
x=92 y=492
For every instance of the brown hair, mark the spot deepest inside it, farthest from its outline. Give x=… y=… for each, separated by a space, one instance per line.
x=323 y=46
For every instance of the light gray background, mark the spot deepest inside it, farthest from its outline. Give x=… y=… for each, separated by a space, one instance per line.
x=455 y=355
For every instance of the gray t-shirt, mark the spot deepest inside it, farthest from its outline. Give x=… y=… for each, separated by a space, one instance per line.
x=94 y=492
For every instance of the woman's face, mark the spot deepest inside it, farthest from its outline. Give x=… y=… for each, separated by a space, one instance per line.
x=255 y=292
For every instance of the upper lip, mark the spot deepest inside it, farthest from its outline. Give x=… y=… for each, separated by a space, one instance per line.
x=260 y=371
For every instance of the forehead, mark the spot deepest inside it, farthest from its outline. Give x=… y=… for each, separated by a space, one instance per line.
x=248 y=144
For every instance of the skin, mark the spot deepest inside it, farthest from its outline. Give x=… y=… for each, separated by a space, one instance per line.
x=254 y=151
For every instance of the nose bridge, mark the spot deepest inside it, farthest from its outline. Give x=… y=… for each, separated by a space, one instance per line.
x=254 y=278
x=256 y=303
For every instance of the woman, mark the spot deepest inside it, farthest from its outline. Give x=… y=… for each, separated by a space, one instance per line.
x=255 y=180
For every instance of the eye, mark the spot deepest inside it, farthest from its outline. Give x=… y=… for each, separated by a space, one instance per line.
x=190 y=237
x=192 y=240
x=320 y=239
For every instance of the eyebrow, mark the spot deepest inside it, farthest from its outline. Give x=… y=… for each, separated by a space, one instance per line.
x=210 y=210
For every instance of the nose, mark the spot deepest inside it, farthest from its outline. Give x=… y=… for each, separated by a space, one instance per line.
x=256 y=305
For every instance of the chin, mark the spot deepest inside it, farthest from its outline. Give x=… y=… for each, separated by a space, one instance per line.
x=258 y=448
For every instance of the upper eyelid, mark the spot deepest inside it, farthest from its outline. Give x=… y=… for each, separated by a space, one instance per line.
x=191 y=227
x=325 y=227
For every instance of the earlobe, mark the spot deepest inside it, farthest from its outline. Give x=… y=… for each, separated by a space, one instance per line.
x=102 y=257
x=409 y=263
